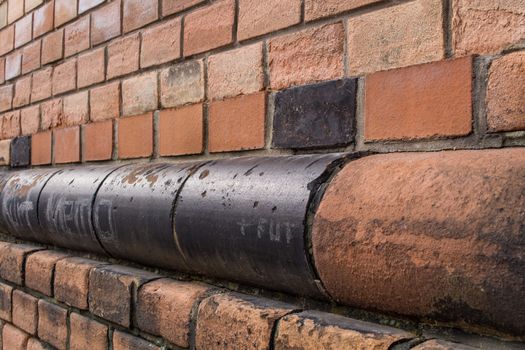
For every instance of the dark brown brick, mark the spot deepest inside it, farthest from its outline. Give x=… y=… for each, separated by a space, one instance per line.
x=6 y=293
x=52 y=324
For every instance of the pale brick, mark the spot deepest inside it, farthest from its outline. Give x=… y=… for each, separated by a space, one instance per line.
x=105 y=102
x=182 y=84
x=76 y=108
x=139 y=94
x=260 y=17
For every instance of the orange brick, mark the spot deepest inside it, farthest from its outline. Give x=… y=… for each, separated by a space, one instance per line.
x=84 y=5
x=123 y=56
x=105 y=23
x=23 y=30
x=11 y=125
x=13 y=338
x=105 y=102
x=170 y=7
x=123 y=341
x=430 y=100
x=237 y=124
x=6 y=293
x=25 y=311
x=76 y=36
x=52 y=49
x=87 y=334
x=13 y=65
x=209 y=27
x=66 y=145
x=41 y=87
x=261 y=17
x=181 y=131
x=40 y=268
x=15 y=10
x=65 y=10
x=135 y=136
x=315 y=9
x=139 y=94
x=76 y=109
x=98 y=141
x=22 y=92
x=65 y=77
x=91 y=68
x=308 y=56
x=41 y=148
x=52 y=113
x=138 y=13
x=6 y=97
x=43 y=19
x=7 y=37
x=31 y=4
x=52 y=324
x=12 y=258
x=30 y=120
x=161 y=43
x=31 y=57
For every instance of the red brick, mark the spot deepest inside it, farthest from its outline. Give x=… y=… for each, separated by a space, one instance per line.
x=308 y=56
x=181 y=131
x=35 y=344
x=52 y=49
x=123 y=56
x=84 y=5
x=11 y=125
x=15 y=10
x=506 y=93
x=315 y=9
x=6 y=97
x=5 y=156
x=261 y=17
x=22 y=92
x=138 y=13
x=66 y=145
x=52 y=114
x=76 y=108
x=12 y=258
x=170 y=7
x=237 y=124
x=98 y=141
x=13 y=338
x=87 y=334
x=161 y=43
x=23 y=30
x=76 y=37
x=41 y=148
x=40 y=268
x=52 y=324
x=65 y=10
x=139 y=94
x=105 y=102
x=31 y=57
x=6 y=293
x=13 y=65
x=91 y=68
x=25 y=311
x=105 y=23
x=182 y=84
x=65 y=77
x=30 y=120
x=7 y=40
x=431 y=100
x=135 y=136
x=164 y=308
x=209 y=27
x=123 y=341
x=41 y=87
x=43 y=19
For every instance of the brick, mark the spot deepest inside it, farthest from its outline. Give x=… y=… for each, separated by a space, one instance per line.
x=52 y=114
x=23 y=30
x=139 y=94
x=13 y=338
x=261 y=17
x=181 y=131
x=66 y=145
x=40 y=268
x=170 y=7
x=25 y=311
x=43 y=19
x=123 y=341
x=105 y=102
x=315 y=9
x=182 y=84
x=398 y=36
x=65 y=10
x=123 y=56
x=7 y=37
x=6 y=293
x=135 y=136
x=236 y=72
x=32 y=4
x=161 y=43
x=13 y=65
x=31 y=57
x=506 y=93
x=72 y=281
x=6 y=97
x=314 y=330
x=22 y=92
x=52 y=324
x=209 y=27
x=430 y=100
x=52 y=47
x=35 y=344
x=87 y=334
x=84 y=5
x=20 y=151
x=65 y=77
x=91 y=68
x=236 y=321
x=41 y=87
x=30 y=120
x=3 y=14
x=76 y=108
x=41 y=148
x=237 y=124
x=15 y=10
x=76 y=36
x=5 y=156
x=111 y=289
x=12 y=261
x=164 y=308
x=105 y=23
x=138 y=13
x=438 y=344
x=308 y=56
x=2 y=70
x=11 y=124
x=98 y=141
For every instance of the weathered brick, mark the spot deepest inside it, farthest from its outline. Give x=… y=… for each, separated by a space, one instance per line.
x=181 y=131
x=105 y=23
x=236 y=72
x=261 y=17
x=135 y=136
x=123 y=56
x=41 y=87
x=66 y=143
x=43 y=19
x=87 y=334
x=398 y=36
x=13 y=65
x=7 y=37
x=2 y=70
x=52 y=49
x=41 y=148
x=76 y=36
x=209 y=27
x=182 y=84
x=91 y=68
x=31 y=57
x=31 y=4
x=170 y=7
x=164 y=308
x=52 y=114
x=40 y=267
x=438 y=344
x=12 y=258
x=161 y=43
x=6 y=293
x=13 y=338
x=30 y=120
x=105 y=102
x=35 y=344
x=111 y=289
x=308 y=56
x=84 y=5
x=15 y=10
x=11 y=124
x=506 y=93
x=430 y=100
x=20 y=151
x=3 y=16
x=236 y=321
x=25 y=311
x=138 y=13
x=123 y=341
x=6 y=97
x=5 y=156
x=23 y=30
x=65 y=76
x=76 y=109
x=237 y=124
x=65 y=10
x=22 y=92
x=98 y=141
x=52 y=324
x=139 y=94
x=315 y=9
